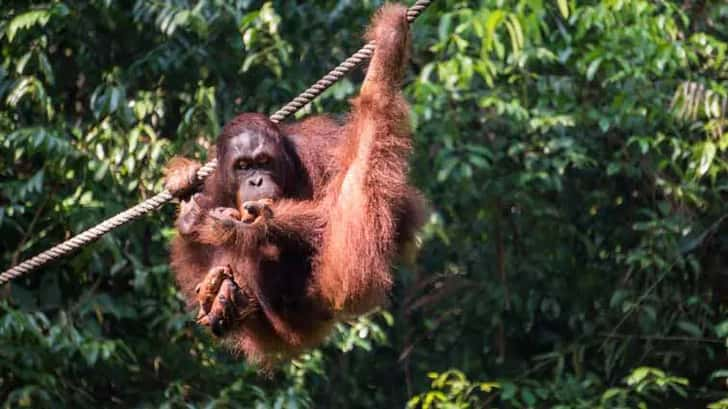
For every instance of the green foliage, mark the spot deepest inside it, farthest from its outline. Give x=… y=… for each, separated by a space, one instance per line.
x=574 y=155
x=452 y=390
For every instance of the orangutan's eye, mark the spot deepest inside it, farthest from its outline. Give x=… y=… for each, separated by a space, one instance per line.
x=242 y=165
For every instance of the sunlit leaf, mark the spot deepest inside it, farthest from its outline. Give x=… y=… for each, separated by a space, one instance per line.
x=563 y=8
x=707 y=154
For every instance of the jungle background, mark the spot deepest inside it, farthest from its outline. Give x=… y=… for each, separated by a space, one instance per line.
x=573 y=154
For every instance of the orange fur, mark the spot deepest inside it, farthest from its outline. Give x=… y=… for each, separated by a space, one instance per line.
x=180 y=175
x=326 y=252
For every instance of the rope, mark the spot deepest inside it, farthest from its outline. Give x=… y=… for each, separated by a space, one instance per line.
x=153 y=203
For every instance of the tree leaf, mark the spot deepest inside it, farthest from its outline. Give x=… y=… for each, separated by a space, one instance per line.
x=690 y=328
x=706 y=157
x=563 y=8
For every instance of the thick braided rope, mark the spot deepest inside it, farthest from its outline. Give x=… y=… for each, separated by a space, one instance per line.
x=165 y=196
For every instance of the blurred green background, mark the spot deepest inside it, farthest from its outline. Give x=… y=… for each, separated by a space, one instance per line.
x=573 y=152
